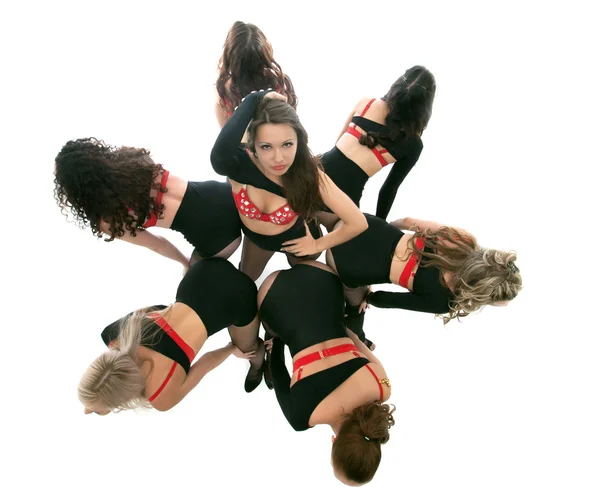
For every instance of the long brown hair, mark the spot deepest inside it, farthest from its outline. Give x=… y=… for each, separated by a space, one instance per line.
x=97 y=182
x=301 y=181
x=481 y=276
x=356 y=451
x=247 y=61
x=410 y=103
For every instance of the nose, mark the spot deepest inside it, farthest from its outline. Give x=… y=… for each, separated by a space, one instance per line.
x=278 y=156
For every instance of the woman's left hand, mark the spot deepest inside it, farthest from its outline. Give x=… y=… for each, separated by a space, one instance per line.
x=303 y=246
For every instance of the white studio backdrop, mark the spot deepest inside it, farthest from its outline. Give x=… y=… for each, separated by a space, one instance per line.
x=505 y=401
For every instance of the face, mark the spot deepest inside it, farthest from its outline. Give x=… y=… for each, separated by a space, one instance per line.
x=276 y=146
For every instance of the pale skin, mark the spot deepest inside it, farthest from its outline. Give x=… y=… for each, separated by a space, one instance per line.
x=276 y=146
x=358 y=389
x=155 y=366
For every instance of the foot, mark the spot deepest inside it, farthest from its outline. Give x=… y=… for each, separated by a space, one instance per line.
x=255 y=373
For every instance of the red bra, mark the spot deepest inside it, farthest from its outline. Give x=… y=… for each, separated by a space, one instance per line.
x=336 y=350
x=283 y=216
x=158 y=201
x=410 y=264
x=352 y=131
x=188 y=350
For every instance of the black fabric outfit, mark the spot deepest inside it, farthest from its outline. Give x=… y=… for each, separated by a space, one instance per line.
x=351 y=178
x=207 y=217
x=230 y=158
x=221 y=296
x=366 y=260
x=303 y=307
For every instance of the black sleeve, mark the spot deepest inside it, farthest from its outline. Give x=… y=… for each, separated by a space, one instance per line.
x=227 y=157
x=281 y=383
x=405 y=300
x=397 y=174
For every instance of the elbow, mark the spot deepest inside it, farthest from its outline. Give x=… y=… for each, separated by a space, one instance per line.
x=361 y=224
x=217 y=162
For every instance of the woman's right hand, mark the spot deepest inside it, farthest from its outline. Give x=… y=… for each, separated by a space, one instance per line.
x=275 y=94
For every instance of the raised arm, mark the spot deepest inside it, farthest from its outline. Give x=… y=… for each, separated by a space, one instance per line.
x=225 y=155
x=398 y=173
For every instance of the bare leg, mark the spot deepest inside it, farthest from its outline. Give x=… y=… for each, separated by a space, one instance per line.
x=247 y=340
x=254 y=259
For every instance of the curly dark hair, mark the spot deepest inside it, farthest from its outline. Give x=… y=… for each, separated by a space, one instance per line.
x=99 y=183
x=410 y=103
x=247 y=61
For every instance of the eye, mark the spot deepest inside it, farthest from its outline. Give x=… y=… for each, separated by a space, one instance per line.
x=265 y=147
x=288 y=144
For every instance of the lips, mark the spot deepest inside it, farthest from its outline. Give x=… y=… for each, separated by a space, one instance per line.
x=279 y=167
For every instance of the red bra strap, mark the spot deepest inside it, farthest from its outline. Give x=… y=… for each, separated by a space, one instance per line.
x=164 y=325
x=367 y=107
x=159 y=197
x=410 y=264
x=162 y=386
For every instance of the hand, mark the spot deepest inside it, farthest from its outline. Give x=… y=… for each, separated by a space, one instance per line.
x=239 y=354
x=364 y=305
x=275 y=94
x=269 y=345
x=303 y=246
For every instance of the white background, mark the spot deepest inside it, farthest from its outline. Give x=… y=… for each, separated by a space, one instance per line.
x=506 y=401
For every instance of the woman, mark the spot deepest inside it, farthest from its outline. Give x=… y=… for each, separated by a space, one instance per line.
x=246 y=65
x=120 y=192
x=151 y=351
x=378 y=133
x=443 y=269
x=278 y=185
x=336 y=380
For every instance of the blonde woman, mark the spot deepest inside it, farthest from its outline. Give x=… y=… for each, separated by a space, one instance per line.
x=149 y=362
x=444 y=270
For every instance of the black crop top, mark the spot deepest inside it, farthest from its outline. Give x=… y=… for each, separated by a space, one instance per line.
x=406 y=153
x=428 y=295
x=300 y=401
x=221 y=296
x=159 y=342
x=230 y=158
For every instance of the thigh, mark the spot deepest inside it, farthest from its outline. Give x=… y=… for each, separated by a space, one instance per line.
x=254 y=259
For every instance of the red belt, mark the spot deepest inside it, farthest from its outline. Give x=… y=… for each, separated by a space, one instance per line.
x=321 y=354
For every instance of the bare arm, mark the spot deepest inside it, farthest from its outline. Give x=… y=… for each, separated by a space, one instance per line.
x=410 y=223
x=354 y=221
x=205 y=364
x=158 y=244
